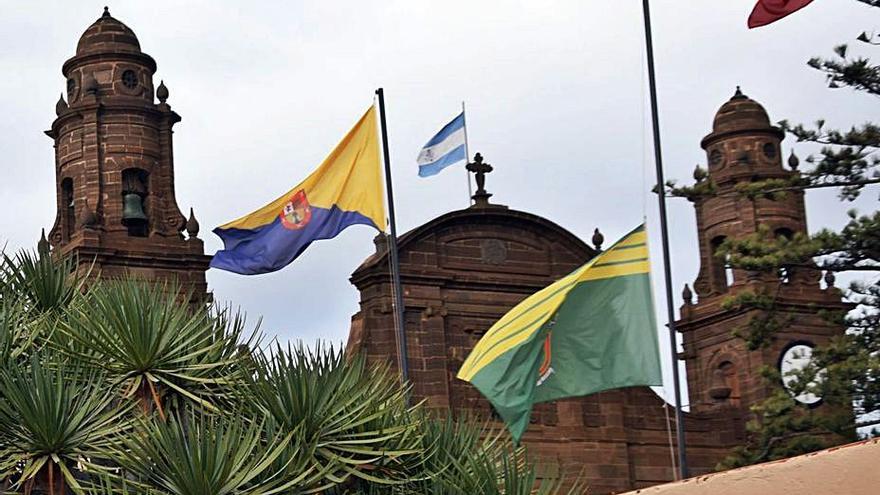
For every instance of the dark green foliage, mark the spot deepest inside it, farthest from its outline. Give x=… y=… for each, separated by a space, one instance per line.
x=847 y=159
x=760 y=329
x=703 y=187
x=19 y=334
x=56 y=417
x=38 y=283
x=197 y=454
x=153 y=345
x=351 y=419
x=131 y=388
x=470 y=457
x=467 y=457
x=783 y=429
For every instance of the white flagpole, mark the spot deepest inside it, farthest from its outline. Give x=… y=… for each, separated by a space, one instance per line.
x=467 y=153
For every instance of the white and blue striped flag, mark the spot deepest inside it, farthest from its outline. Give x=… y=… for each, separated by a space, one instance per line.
x=444 y=149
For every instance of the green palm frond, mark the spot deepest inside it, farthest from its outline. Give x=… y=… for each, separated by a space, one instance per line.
x=56 y=417
x=467 y=456
x=115 y=485
x=40 y=283
x=354 y=417
x=232 y=418
x=204 y=454
x=19 y=333
x=155 y=346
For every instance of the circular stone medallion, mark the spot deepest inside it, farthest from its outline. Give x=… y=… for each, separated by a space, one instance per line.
x=494 y=251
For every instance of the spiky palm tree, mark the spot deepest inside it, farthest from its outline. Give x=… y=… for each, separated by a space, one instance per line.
x=127 y=388
x=199 y=453
x=354 y=418
x=468 y=456
x=57 y=419
x=40 y=283
x=155 y=346
x=19 y=334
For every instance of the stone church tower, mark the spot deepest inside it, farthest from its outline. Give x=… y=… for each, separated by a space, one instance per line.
x=114 y=166
x=722 y=372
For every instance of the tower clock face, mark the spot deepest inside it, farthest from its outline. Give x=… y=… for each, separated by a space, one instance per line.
x=794 y=359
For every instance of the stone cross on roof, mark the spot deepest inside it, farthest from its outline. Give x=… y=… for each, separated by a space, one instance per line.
x=480 y=169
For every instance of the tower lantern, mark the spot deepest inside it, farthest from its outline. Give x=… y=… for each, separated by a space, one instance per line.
x=114 y=165
x=745 y=147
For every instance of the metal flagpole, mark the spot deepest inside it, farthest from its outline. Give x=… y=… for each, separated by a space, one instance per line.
x=467 y=154
x=392 y=249
x=667 y=269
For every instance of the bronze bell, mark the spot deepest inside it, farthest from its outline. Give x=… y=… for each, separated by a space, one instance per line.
x=133 y=209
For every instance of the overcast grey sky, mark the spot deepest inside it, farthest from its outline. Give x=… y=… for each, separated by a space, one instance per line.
x=555 y=92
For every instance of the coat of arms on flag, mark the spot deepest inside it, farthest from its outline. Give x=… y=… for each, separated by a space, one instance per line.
x=296 y=212
x=446 y=148
x=345 y=190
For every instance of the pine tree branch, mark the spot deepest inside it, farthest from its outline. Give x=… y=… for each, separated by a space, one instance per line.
x=773 y=440
x=851 y=268
x=835 y=268
x=822 y=185
x=863 y=182
x=868 y=423
x=872 y=3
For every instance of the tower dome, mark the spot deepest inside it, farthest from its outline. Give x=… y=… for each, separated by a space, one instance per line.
x=740 y=113
x=107 y=34
x=108 y=63
x=738 y=116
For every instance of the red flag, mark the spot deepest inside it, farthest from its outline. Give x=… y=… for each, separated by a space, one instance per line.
x=767 y=11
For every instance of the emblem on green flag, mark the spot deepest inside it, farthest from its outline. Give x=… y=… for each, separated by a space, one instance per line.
x=590 y=331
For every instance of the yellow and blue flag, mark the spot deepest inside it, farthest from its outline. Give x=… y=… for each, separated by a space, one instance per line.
x=345 y=190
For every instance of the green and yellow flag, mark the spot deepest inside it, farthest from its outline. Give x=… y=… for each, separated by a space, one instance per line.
x=592 y=330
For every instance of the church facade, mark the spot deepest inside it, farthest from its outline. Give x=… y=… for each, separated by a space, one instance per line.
x=117 y=213
x=463 y=270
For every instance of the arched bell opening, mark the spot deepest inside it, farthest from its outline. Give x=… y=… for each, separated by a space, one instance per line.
x=784 y=272
x=722 y=272
x=135 y=189
x=725 y=386
x=68 y=209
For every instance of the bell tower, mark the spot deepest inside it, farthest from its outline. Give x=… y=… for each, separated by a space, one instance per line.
x=722 y=371
x=114 y=166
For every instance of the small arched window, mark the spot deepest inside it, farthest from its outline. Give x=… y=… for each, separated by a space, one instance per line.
x=784 y=233
x=731 y=378
x=726 y=384
x=68 y=208
x=722 y=273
